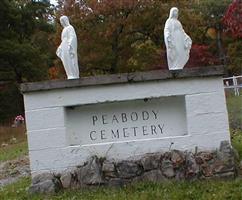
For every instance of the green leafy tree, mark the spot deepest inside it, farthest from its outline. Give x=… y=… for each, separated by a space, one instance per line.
x=25 y=49
x=23 y=55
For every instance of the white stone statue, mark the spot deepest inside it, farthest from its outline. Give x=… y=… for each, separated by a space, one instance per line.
x=178 y=43
x=67 y=51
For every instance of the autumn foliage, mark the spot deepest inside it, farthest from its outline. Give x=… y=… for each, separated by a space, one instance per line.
x=127 y=35
x=232 y=22
x=233 y=19
x=201 y=56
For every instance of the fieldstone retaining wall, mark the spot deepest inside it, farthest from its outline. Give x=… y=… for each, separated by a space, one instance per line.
x=152 y=167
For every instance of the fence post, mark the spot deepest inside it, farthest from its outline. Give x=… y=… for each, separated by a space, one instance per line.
x=235 y=86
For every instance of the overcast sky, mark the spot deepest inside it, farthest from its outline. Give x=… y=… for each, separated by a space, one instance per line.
x=53 y=2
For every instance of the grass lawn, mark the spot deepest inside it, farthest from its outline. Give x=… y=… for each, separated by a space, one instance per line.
x=13 y=151
x=234 y=105
x=204 y=190
x=237 y=142
x=13 y=142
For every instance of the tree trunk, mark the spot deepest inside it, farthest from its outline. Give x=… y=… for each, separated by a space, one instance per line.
x=115 y=52
x=222 y=55
x=18 y=75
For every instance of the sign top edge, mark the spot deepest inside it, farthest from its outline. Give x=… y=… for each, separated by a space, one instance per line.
x=123 y=78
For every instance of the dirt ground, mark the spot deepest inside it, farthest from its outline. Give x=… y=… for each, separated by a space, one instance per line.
x=11 y=171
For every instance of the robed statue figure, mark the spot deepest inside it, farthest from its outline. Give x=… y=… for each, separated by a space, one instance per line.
x=178 y=43
x=67 y=51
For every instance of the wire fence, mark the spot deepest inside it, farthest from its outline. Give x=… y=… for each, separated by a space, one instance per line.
x=234 y=83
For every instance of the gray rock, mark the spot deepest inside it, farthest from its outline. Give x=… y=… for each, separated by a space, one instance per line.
x=180 y=175
x=78 y=174
x=66 y=180
x=44 y=187
x=75 y=175
x=166 y=156
x=177 y=158
x=151 y=161
x=128 y=169
x=108 y=169
x=227 y=159
x=167 y=168
x=153 y=167
x=203 y=157
x=42 y=177
x=225 y=152
x=225 y=147
x=206 y=170
x=227 y=175
x=220 y=167
x=153 y=176
x=91 y=173
x=192 y=168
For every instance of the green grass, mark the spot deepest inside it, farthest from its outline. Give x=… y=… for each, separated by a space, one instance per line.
x=234 y=105
x=200 y=190
x=237 y=142
x=15 y=141
x=13 y=151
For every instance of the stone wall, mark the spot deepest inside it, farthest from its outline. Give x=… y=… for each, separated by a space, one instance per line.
x=153 y=167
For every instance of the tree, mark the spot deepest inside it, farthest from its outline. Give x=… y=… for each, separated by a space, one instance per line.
x=25 y=49
x=232 y=19
x=232 y=22
x=23 y=40
x=213 y=12
x=126 y=35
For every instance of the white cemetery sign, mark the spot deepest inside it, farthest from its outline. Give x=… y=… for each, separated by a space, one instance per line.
x=122 y=116
x=132 y=120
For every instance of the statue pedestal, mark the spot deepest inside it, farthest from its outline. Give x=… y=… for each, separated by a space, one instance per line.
x=123 y=116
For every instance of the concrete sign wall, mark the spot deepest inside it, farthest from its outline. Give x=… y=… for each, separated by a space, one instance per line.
x=126 y=121
x=113 y=117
